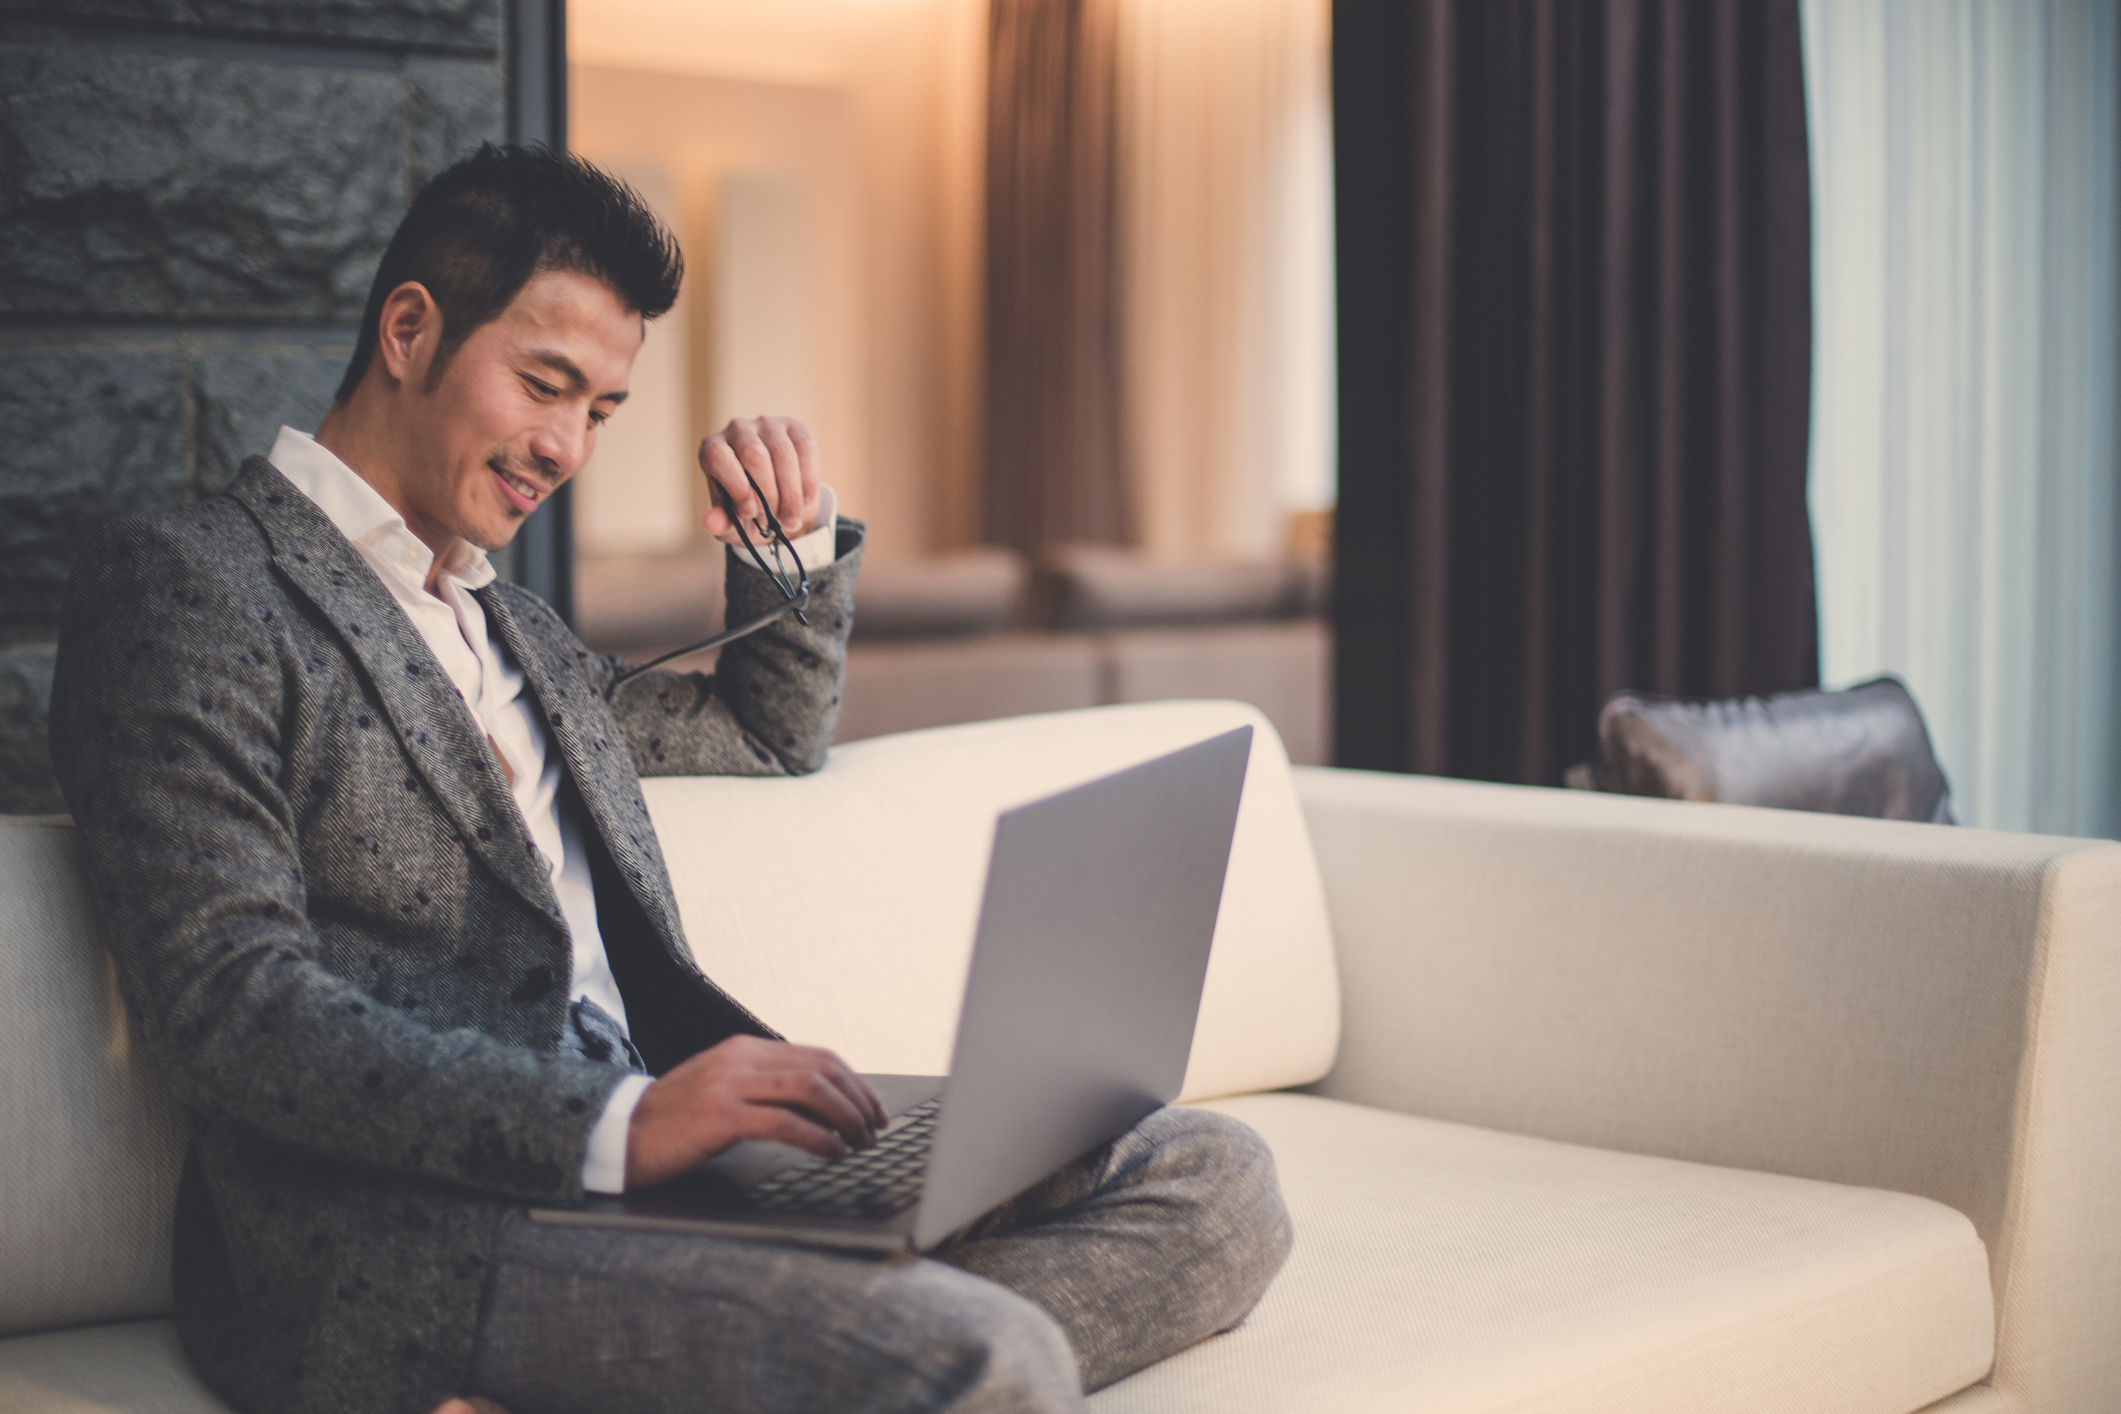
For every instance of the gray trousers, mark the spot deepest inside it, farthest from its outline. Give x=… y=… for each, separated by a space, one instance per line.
x=1163 y=1237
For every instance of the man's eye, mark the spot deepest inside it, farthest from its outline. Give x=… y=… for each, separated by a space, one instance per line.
x=543 y=390
x=598 y=419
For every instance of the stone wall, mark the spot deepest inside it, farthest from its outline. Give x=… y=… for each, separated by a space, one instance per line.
x=193 y=198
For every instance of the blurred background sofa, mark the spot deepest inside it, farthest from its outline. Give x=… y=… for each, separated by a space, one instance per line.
x=982 y=633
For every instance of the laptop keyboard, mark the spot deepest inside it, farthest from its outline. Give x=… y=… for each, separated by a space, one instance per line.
x=873 y=1184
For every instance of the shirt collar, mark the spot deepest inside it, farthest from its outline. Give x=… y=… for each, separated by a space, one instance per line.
x=362 y=515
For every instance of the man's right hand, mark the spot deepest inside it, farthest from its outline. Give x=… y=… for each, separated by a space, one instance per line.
x=782 y=458
x=748 y=1088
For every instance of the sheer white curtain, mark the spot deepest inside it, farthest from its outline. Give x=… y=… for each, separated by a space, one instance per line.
x=1963 y=470
x=1226 y=253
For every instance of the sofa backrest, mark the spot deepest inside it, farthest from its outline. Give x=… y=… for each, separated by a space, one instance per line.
x=92 y=1146
x=841 y=906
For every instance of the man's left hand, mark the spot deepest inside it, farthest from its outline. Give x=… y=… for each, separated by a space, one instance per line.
x=782 y=458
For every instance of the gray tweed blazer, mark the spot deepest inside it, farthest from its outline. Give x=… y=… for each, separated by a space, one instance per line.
x=340 y=947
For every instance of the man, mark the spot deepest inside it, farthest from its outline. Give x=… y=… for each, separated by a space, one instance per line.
x=366 y=833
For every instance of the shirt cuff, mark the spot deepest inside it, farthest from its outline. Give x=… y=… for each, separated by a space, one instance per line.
x=819 y=546
x=604 y=1166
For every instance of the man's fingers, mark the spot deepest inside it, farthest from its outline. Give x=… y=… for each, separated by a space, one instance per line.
x=847 y=1081
x=741 y=455
x=725 y=458
x=737 y=498
x=716 y=464
x=788 y=1127
x=858 y=1095
x=863 y=1094
x=787 y=1059
x=818 y=1082
x=757 y=458
x=752 y=1088
x=732 y=494
x=781 y=456
x=814 y=1092
x=787 y=475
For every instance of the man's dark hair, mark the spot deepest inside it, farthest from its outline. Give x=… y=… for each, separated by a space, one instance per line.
x=478 y=232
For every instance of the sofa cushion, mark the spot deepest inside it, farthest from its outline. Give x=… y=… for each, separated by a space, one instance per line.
x=88 y=1172
x=1103 y=586
x=841 y=906
x=1443 y=1268
x=903 y=687
x=973 y=591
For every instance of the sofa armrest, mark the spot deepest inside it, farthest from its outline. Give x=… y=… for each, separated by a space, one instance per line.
x=1902 y=1006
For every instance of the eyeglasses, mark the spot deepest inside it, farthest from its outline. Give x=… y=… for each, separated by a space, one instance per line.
x=795 y=588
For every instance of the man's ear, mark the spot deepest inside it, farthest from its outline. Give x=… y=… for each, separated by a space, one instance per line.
x=409 y=330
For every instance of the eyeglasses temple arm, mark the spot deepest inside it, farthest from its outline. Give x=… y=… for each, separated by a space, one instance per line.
x=718 y=640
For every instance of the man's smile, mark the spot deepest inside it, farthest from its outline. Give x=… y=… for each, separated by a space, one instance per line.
x=522 y=493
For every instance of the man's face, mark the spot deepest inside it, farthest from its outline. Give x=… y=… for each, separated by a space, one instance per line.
x=516 y=410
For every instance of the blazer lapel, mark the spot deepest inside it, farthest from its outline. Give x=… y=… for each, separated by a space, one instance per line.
x=430 y=719
x=597 y=759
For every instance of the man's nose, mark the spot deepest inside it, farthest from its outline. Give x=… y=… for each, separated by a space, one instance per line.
x=560 y=445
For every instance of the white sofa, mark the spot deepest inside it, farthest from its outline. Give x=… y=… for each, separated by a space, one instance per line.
x=1611 y=1104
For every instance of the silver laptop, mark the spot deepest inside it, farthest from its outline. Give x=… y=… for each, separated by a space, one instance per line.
x=1078 y=1020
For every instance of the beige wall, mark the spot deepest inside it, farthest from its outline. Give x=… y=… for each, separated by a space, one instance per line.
x=872 y=110
x=635 y=497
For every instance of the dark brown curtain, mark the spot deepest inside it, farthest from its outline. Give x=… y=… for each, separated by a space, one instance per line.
x=1052 y=467
x=1575 y=342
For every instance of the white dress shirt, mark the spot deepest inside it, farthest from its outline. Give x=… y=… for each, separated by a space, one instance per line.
x=453 y=625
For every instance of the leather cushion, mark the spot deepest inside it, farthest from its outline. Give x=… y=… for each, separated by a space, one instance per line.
x=1862 y=751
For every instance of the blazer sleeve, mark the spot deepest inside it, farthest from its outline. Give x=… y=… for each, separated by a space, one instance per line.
x=167 y=730
x=773 y=701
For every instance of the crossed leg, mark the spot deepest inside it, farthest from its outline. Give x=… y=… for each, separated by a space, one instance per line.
x=1143 y=1247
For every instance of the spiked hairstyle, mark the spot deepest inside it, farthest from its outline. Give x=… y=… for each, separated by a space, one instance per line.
x=478 y=232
